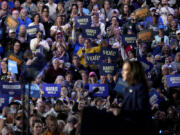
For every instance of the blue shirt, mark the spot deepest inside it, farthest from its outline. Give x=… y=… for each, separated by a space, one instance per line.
x=77 y=47
x=149 y=20
x=26 y=22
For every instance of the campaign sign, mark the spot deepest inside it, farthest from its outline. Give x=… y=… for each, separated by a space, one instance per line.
x=11 y=22
x=120 y=86
x=147 y=65
x=4 y=101
x=107 y=68
x=15 y=58
x=145 y=36
x=12 y=89
x=12 y=66
x=154 y=97
x=103 y=90
x=51 y=90
x=92 y=58
x=129 y=40
x=34 y=90
x=109 y=52
x=90 y=32
x=142 y=13
x=82 y=21
x=31 y=31
x=173 y=80
x=1 y=33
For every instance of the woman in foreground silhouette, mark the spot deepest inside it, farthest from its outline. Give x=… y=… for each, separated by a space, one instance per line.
x=136 y=109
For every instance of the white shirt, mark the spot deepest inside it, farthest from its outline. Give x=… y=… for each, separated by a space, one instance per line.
x=164 y=14
x=55 y=28
x=52 y=8
x=43 y=43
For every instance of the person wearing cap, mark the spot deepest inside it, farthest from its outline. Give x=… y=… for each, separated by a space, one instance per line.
x=70 y=126
x=10 y=40
x=175 y=43
x=93 y=78
x=150 y=19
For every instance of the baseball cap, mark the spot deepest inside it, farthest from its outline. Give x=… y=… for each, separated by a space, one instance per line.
x=161 y=27
x=178 y=32
x=92 y=74
x=12 y=30
x=152 y=8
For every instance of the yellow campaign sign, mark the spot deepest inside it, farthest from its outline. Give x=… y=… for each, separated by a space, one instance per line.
x=11 y=22
x=142 y=13
x=145 y=35
x=12 y=57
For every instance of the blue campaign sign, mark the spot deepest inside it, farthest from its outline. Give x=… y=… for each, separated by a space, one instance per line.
x=4 y=101
x=51 y=90
x=147 y=65
x=82 y=21
x=103 y=90
x=173 y=80
x=92 y=58
x=90 y=32
x=31 y=31
x=154 y=97
x=12 y=89
x=0 y=68
x=107 y=52
x=120 y=86
x=107 y=68
x=12 y=66
x=129 y=40
x=34 y=90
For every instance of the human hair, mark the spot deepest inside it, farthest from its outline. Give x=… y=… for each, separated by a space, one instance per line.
x=6 y=128
x=37 y=121
x=36 y=14
x=137 y=73
x=45 y=7
x=59 y=3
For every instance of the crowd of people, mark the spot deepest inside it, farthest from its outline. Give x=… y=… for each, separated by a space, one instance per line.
x=56 y=54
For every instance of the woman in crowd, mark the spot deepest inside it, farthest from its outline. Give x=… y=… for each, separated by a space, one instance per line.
x=59 y=10
x=36 y=21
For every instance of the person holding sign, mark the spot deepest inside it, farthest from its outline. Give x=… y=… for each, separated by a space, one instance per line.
x=136 y=108
x=36 y=21
x=87 y=49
